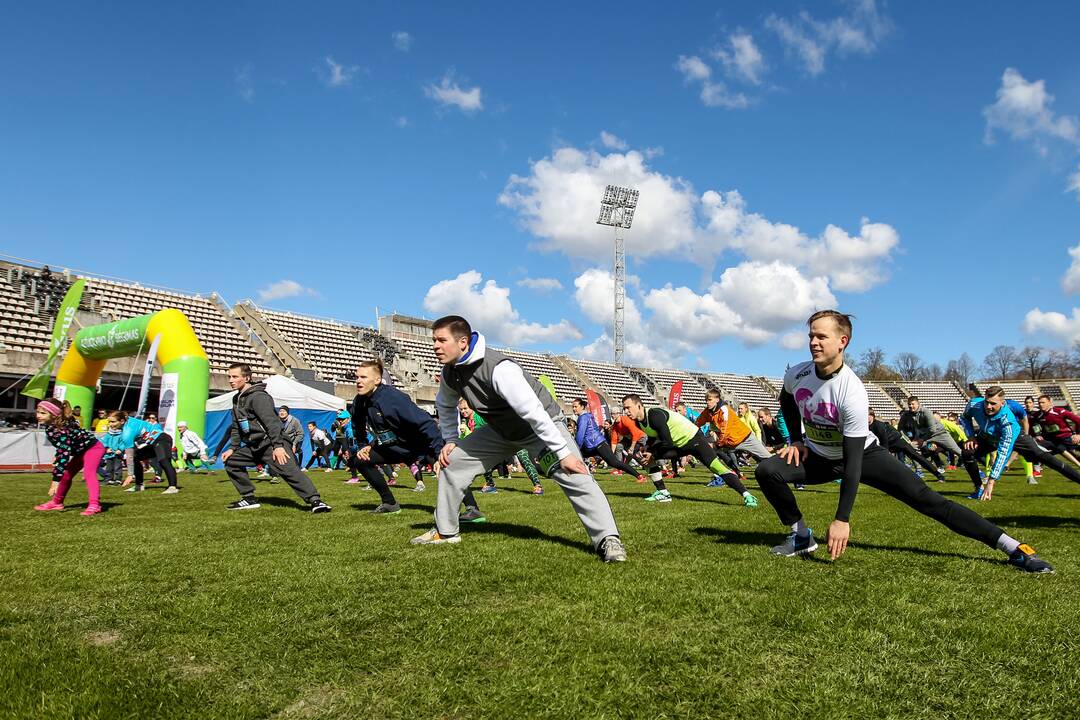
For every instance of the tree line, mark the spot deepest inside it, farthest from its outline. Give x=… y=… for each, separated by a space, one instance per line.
x=1004 y=362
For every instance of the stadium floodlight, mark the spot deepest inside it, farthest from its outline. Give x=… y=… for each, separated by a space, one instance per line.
x=617 y=211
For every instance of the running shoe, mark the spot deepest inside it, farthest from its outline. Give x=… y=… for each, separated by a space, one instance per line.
x=716 y=481
x=472 y=515
x=977 y=495
x=662 y=496
x=749 y=501
x=135 y=488
x=1032 y=480
x=420 y=487
x=941 y=471
x=244 y=504
x=796 y=545
x=941 y=478
x=616 y=472
x=384 y=509
x=1037 y=471
x=392 y=481
x=264 y=474
x=802 y=487
x=642 y=479
x=950 y=468
x=50 y=505
x=327 y=470
x=318 y=506
x=92 y=509
x=489 y=489
x=353 y=481
x=1025 y=559
x=171 y=490
x=537 y=490
x=432 y=537
x=612 y=550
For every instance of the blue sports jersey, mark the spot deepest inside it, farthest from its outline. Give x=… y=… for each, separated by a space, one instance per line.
x=1017 y=408
x=1002 y=428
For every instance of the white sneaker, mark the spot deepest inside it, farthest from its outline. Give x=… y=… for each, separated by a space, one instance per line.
x=419 y=486
x=172 y=490
x=1032 y=480
x=432 y=537
x=135 y=488
x=328 y=470
x=264 y=474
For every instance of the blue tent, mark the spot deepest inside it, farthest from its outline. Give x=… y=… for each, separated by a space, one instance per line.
x=306 y=405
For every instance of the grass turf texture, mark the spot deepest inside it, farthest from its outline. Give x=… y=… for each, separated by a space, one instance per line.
x=170 y=607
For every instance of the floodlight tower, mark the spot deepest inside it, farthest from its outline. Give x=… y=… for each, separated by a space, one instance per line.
x=617 y=211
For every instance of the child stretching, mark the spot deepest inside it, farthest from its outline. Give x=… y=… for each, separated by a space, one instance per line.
x=76 y=449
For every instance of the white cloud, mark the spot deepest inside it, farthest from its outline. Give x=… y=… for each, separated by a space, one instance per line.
x=1074 y=184
x=1066 y=329
x=244 y=78
x=558 y=203
x=741 y=58
x=403 y=41
x=794 y=341
x=1071 y=282
x=284 y=289
x=337 y=75
x=612 y=142
x=713 y=93
x=1023 y=111
x=402 y=121
x=449 y=94
x=541 y=284
x=859 y=31
x=489 y=310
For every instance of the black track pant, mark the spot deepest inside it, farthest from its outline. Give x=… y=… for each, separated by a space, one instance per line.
x=1025 y=447
x=905 y=449
x=319 y=457
x=389 y=455
x=603 y=451
x=880 y=470
x=244 y=457
x=159 y=451
x=700 y=448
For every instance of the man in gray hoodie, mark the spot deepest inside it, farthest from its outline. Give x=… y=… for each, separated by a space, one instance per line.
x=520 y=414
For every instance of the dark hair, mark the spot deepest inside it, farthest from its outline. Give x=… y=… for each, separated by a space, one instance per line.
x=581 y=402
x=634 y=397
x=871 y=413
x=842 y=321
x=244 y=368
x=712 y=392
x=993 y=391
x=312 y=423
x=459 y=327
x=374 y=363
x=285 y=408
x=1032 y=397
x=913 y=397
x=1047 y=397
x=118 y=415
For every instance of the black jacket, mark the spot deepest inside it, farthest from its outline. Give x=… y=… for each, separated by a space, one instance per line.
x=255 y=408
x=394 y=419
x=886 y=434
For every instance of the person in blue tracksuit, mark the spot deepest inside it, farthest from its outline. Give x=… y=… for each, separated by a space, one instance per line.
x=590 y=439
x=141 y=440
x=991 y=425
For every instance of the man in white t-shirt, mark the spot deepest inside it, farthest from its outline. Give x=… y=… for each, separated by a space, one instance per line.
x=825 y=406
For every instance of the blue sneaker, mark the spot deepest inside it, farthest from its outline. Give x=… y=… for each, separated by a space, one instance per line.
x=977 y=495
x=489 y=489
x=716 y=481
x=796 y=545
x=1025 y=559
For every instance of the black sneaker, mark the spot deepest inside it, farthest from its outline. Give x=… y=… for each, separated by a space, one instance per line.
x=472 y=515
x=318 y=506
x=385 y=509
x=244 y=504
x=1024 y=558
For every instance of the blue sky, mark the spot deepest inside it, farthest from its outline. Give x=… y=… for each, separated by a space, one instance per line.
x=907 y=162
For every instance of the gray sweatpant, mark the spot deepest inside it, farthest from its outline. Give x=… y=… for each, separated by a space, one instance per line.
x=485 y=448
x=755 y=447
x=945 y=441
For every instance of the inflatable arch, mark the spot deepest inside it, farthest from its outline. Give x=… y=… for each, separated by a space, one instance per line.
x=185 y=369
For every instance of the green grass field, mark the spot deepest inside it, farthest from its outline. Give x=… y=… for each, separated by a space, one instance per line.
x=170 y=607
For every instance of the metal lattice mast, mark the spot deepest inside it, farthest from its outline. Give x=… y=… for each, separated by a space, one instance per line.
x=617 y=211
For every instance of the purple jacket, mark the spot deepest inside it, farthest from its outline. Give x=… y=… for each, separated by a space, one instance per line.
x=588 y=434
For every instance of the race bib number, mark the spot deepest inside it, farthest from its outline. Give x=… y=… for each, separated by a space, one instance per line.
x=548 y=462
x=824 y=435
x=386 y=437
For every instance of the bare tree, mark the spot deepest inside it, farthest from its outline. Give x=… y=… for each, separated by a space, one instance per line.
x=933 y=372
x=871 y=365
x=1036 y=361
x=1001 y=363
x=909 y=366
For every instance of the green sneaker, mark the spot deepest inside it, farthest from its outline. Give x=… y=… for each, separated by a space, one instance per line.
x=659 y=496
x=749 y=501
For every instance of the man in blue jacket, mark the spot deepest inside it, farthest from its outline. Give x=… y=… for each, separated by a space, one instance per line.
x=999 y=430
x=401 y=432
x=592 y=442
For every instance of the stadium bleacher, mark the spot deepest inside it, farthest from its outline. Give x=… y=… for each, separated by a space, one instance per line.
x=693 y=392
x=940 y=396
x=882 y=403
x=566 y=388
x=332 y=348
x=614 y=381
x=1014 y=390
x=744 y=388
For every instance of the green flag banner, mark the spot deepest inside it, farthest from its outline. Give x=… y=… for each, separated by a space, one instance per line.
x=65 y=316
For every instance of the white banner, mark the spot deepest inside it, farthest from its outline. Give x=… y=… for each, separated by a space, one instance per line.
x=25 y=450
x=148 y=371
x=170 y=386
x=59 y=391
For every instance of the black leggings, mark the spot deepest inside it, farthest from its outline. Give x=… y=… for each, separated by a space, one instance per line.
x=700 y=448
x=1025 y=447
x=392 y=455
x=603 y=451
x=905 y=449
x=159 y=451
x=880 y=470
x=318 y=457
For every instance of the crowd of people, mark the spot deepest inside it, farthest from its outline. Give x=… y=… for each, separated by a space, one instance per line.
x=493 y=417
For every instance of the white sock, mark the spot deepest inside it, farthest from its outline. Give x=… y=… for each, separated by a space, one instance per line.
x=800 y=529
x=745 y=493
x=1007 y=544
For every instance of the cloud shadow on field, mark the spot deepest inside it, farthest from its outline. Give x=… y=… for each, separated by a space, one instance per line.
x=1037 y=521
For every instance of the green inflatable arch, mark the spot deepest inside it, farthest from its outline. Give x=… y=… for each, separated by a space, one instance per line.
x=185 y=369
